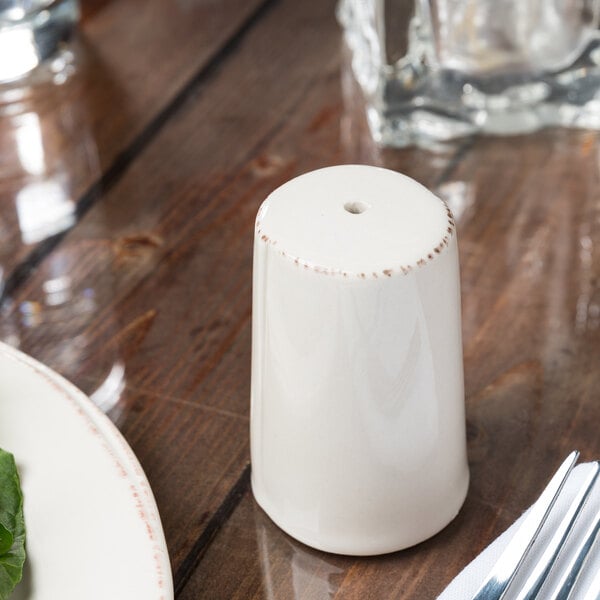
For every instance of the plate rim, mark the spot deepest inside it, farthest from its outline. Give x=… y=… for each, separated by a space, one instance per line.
x=123 y=459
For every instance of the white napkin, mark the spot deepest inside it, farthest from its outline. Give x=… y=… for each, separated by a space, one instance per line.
x=467 y=582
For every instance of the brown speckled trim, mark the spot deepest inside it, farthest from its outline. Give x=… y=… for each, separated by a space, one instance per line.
x=399 y=270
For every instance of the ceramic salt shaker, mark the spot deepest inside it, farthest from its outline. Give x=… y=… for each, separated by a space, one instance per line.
x=358 y=439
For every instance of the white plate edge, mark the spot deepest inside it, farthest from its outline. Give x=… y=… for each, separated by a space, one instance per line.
x=124 y=460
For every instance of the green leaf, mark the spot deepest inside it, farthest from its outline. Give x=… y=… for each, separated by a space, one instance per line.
x=12 y=526
x=6 y=539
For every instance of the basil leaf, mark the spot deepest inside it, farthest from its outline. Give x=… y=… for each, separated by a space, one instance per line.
x=12 y=526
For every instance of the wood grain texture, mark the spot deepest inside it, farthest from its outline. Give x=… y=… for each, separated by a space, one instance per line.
x=529 y=235
x=190 y=454
x=173 y=239
x=70 y=141
x=253 y=559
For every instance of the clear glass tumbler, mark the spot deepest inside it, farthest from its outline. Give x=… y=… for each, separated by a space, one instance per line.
x=434 y=70
x=32 y=33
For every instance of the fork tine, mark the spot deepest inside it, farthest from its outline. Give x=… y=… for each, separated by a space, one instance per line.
x=503 y=572
x=539 y=573
x=567 y=582
x=593 y=592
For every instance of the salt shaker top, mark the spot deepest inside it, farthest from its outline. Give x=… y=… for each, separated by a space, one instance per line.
x=355 y=221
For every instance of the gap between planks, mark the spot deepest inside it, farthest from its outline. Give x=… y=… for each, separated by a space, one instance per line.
x=21 y=273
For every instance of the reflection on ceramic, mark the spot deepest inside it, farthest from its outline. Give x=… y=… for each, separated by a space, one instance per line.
x=357 y=428
x=92 y=524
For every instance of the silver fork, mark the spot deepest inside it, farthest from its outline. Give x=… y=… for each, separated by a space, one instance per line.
x=502 y=574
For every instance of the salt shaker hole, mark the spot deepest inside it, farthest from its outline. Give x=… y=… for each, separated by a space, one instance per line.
x=356 y=208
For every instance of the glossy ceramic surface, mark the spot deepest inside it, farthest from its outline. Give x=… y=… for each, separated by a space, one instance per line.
x=357 y=424
x=93 y=529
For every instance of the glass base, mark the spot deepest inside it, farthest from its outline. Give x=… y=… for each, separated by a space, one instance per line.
x=448 y=105
x=35 y=41
x=416 y=101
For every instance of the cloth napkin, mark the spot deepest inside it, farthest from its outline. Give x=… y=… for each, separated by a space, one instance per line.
x=467 y=582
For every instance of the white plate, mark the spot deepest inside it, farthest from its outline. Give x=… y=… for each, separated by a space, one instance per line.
x=93 y=529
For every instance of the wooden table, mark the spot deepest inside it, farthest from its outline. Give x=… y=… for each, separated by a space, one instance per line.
x=181 y=118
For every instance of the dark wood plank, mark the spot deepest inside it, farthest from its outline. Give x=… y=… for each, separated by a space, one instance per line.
x=529 y=234
x=187 y=452
x=134 y=67
x=530 y=293
x=253 y=559
x=173 y=240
